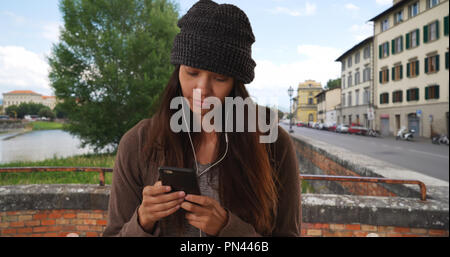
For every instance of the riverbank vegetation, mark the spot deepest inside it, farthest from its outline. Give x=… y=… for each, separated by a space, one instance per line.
x=45 y=125
x=90 y=160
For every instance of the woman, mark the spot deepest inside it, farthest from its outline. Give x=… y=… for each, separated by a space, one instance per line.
x=247 y=188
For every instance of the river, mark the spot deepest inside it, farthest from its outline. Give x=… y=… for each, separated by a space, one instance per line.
x=40 y=145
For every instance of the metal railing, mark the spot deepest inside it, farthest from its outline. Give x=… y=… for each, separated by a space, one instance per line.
x=101 y=171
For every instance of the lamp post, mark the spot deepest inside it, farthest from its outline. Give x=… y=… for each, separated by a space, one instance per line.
x=290 y=93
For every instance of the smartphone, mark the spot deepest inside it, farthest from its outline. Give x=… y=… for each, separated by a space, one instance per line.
x=180 y=179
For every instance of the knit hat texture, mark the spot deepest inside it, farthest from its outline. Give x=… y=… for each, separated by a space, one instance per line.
x=216 y=38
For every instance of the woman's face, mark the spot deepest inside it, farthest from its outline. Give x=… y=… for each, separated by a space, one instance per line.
x=210 y=84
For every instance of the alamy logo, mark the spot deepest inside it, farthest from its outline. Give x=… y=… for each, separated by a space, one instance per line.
x=212 y=120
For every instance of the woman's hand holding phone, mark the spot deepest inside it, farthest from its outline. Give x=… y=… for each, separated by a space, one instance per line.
x=157 y=203
x=205 y=214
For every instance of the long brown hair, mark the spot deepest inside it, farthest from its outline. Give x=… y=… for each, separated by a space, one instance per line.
x=247 y=181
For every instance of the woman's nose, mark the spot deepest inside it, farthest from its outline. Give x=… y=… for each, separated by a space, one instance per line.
x=203 y=83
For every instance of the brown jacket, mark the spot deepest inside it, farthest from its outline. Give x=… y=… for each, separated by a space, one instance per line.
x=131 y=174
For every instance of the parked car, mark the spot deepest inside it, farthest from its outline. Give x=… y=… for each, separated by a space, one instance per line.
x=342 y=128
x=4 y=117
x=357 y=129
x=302 y=124
x=332 y=127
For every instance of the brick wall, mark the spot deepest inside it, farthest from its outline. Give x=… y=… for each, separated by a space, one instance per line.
x=52 y=223
x=361 y=230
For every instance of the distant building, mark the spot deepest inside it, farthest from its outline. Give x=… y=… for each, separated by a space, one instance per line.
x=328 y=104
x=306 y=110
x=26 y=96
x=357 y=84
x=411 y=67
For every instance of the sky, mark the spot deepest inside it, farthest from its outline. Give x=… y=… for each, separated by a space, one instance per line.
x=296 y=40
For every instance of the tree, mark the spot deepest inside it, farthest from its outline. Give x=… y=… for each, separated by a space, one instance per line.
x=24 y=109
x=46 y=112
x=111 y=64
x=333 y=83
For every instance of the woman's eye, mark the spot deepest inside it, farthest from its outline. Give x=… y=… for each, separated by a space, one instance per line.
x=193 y=74
x=221 y=79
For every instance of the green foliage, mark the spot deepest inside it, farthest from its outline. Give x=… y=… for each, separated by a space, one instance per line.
x=111 y=64
x=89 y=160
x=333 y=83
x=25 y=109
x=45 y=125
x=46 y=112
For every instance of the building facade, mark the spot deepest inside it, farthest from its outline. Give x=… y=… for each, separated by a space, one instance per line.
x=328 y=105
x=411 y=50
x=357 y=85
x=26 y=96
x=306 y=102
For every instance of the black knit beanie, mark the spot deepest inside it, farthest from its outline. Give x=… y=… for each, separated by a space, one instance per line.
x=216 y=38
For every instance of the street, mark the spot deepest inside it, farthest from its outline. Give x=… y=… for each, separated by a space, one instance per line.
x=419 y=155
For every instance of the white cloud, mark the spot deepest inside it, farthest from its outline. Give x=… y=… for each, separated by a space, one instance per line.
x=50 y=31
x=351 y=7
x=21 y=69
x=308 y=10
x=273 y=80
x=361 y=32
x=14 y=17
x=384 y=2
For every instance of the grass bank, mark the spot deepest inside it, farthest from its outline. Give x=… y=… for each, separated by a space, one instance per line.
x=45 y=125
x=91 y=160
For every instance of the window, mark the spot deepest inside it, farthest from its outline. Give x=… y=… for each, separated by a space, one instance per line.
x=432 y=64
x=310 y=101
x=343 y=81
x=366 y=96
x=413 y=9
x=357 y=78
x=432 y=92
x=397 y=72
x=367 y=52
x=383 y=50
x=384 y=76
x=349 y=99
x=446 y=26
x=349 y=62
x=397 y=97
x=432 y=3
x=349 y=80
x=398 y=17
x=431 y=32
x=357 y=97
x=343 y=101
x=384 y=98
x=397 y=45
x=412 y=94
x=446 y=60
x=366 y=74
x=412 y=69
x=385 y=24
x=412 y=39
x=343 y=66
x=357 y=57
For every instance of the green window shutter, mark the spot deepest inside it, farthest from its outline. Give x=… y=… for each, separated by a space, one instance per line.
x=446 y=26
x=446 y=60
x=380 y=51
x=437 y=29
x=387 y=48
x=401 y=71
x=381 y=77
x=425 y=34
x=426 y=93
x=387 y=75
x=401 y=43
x=437 y=92
x=417 y=68
x=417 y=94
x=381 y=99
x=393 y=46
x=408 y=95
x=407 y=41
x=426 y=65
x=393 y=73
x=408 y=70
x=437 y=63
x=417 y=37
